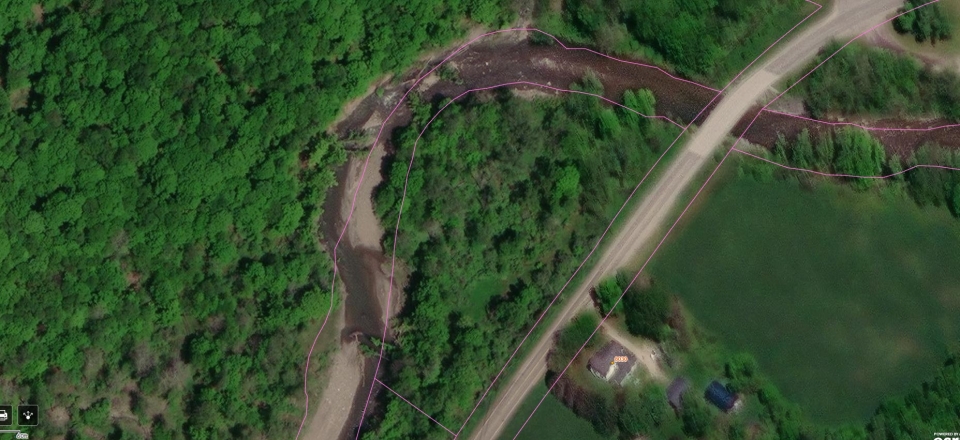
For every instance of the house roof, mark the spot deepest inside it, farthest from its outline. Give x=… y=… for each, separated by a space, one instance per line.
x=720 y=396
x=675 y=391
x=624 y=368
x=603 y=360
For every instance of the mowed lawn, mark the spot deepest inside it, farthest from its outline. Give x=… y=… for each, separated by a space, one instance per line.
x=844 y=298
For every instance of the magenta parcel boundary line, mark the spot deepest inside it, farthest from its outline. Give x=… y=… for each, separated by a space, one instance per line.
x=363 y=175
x=414 y=406
x=699 y=191
x=622 y=207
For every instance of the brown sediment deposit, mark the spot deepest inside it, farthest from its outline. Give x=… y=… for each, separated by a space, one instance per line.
x=362 y=265
x=488 y=65
x=338 y=395
x=365 y=273
x=768 y=126
x=496 y=60
x=499 y=59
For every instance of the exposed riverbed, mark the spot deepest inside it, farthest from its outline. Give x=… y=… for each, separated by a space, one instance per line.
x=502 y=58
x=362 y=265
x=363 y=268
x=766 y=128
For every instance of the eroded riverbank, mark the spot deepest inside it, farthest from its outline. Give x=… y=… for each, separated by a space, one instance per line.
x=897 y=142
x=364 y=271
x=363 y=268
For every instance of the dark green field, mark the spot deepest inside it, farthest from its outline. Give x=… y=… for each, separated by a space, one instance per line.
x=844 y=298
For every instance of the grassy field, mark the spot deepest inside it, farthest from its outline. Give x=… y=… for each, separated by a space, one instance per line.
x=948 y=50
x=552 y=421
x=843 y=298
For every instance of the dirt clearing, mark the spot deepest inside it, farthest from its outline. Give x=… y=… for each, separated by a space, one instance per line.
x=642 y=348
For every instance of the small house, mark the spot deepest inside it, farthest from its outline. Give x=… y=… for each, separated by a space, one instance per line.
x=675 y=392
x=612 y=363
x=720 y=396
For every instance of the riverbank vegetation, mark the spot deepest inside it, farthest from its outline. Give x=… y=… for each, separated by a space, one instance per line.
x=163 y=165
x=863 y=80
x=501 y=189
x=854 y=151
x=709 y=40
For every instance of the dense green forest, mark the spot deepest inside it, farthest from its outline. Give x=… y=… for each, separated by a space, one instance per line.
x=162 y=165
x=927 y=23
x=512 y=193
x=873 y=81
x=921 y=412
x=710 y=40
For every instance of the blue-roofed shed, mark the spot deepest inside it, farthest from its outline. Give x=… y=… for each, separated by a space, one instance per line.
x=720 y=396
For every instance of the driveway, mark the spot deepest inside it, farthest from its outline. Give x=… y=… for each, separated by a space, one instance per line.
x=649 y=220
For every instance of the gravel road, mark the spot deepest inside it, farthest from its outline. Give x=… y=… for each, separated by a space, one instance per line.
x=649 y=220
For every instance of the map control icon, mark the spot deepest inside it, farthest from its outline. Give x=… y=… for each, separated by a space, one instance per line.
x=6 y=415
x=28 y=415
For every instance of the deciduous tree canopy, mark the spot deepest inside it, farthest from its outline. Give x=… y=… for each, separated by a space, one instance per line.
x=505 y=189
x=927 y=23
x=162 y=165
x=872 y=81
x=702 y=38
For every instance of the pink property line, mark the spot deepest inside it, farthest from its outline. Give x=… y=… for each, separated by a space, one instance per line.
x=685 y=209
x=357 y=191
x=626 y=61
x=413 y=156
x=427 y=126
x=850 y=176
x=306 y=367
x=939 y=127
x=414 y=406
x=575 y=272
x=555 y=89
x=353 y=204
x=819 y=7
x=413 y=153
x=610 y=225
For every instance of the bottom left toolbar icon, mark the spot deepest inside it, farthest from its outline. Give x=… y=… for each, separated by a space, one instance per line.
x=6 y=415
x=28 y=415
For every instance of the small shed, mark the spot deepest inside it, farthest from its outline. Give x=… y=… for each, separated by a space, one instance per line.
x=720 y=396
x=675 y=392
x=612 y=362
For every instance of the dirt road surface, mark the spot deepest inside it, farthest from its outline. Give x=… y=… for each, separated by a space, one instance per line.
x=641 y=348
x=845 y=20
